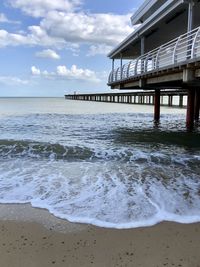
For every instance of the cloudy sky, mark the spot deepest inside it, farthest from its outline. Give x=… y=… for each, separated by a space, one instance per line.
x=53 y=47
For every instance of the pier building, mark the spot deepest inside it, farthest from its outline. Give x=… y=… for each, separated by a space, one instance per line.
x=162 y=52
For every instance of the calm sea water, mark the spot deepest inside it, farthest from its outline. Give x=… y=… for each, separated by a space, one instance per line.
x=99 y=163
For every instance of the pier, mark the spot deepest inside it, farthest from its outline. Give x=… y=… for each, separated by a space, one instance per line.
x=163 y=52
x=167 y=98
x=170 y=98
x=159 y=60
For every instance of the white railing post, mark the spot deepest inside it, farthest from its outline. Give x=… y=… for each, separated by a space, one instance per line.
x=122 y=74
x=121 y=64
x=116 y=74
x=136 y=65
x=194 y=43
x=128 y=68
x=146 y=62
x=157 y=57
x=174 y=57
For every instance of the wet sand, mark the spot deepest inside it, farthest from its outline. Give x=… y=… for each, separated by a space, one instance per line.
x=60 y=243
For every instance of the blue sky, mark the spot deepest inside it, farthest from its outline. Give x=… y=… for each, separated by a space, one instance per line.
x=50 y=48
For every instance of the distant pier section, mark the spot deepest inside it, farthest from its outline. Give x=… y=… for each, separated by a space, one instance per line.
x=171 y=98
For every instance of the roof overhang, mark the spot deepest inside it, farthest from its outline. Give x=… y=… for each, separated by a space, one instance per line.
x=147 y=8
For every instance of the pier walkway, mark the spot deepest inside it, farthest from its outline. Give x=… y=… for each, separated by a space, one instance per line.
x=171 y=98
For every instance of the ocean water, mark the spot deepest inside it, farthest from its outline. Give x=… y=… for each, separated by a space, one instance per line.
x=99 y=163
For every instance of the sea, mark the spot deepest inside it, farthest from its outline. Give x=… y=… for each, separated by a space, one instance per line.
x=103 y=164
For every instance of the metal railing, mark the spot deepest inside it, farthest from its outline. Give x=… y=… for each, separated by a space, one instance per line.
x=185 y=47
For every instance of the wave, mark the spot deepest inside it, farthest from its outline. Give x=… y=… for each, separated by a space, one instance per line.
x=109 y=170
x=31 y=149
x=106 y=194
x=144 y=153
x=188 y=140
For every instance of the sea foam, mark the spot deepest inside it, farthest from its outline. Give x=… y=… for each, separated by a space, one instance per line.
x=107 y=170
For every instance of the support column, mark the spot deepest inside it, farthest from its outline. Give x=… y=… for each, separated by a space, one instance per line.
x=121 y=66
x=113 y=68
x=170 y=100
x=190 y=15
x=142 y=45
x=113 y=64
x=157 y=105
x=190 y=109
x=142 y=53
x=181 y=101
x=197 y=104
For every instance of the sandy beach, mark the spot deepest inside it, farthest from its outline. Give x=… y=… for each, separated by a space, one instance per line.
x=43 y=240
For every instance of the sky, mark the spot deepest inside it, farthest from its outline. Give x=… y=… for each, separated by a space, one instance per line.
x=57 y=47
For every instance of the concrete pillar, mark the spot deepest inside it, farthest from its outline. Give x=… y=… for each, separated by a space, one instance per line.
x=197 y=104
x=190 y=109
x=162 y=100
x=170 y=100
x=157 y=105
x=181 y=101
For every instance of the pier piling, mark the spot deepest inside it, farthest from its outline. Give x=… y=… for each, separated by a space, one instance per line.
x=157 y=105
x=197 y=104
x=190 y=109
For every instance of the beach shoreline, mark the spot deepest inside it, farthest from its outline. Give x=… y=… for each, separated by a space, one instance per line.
x=34 y=237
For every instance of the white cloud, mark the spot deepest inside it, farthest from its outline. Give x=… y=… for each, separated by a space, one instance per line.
x=62 y=26
x=101 y=49
x=35 y=37
x=4 y=19
x=12 y=39
x=35 y=71
x=48 y=53
x=39 y=8
x=11 y=80
x=62 y=72
x=80 y=27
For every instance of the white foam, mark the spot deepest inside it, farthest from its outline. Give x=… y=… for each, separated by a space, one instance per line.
x=106 y=194
x=126 y=182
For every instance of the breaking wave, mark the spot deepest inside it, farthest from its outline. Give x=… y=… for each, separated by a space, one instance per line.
x=103 y=170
